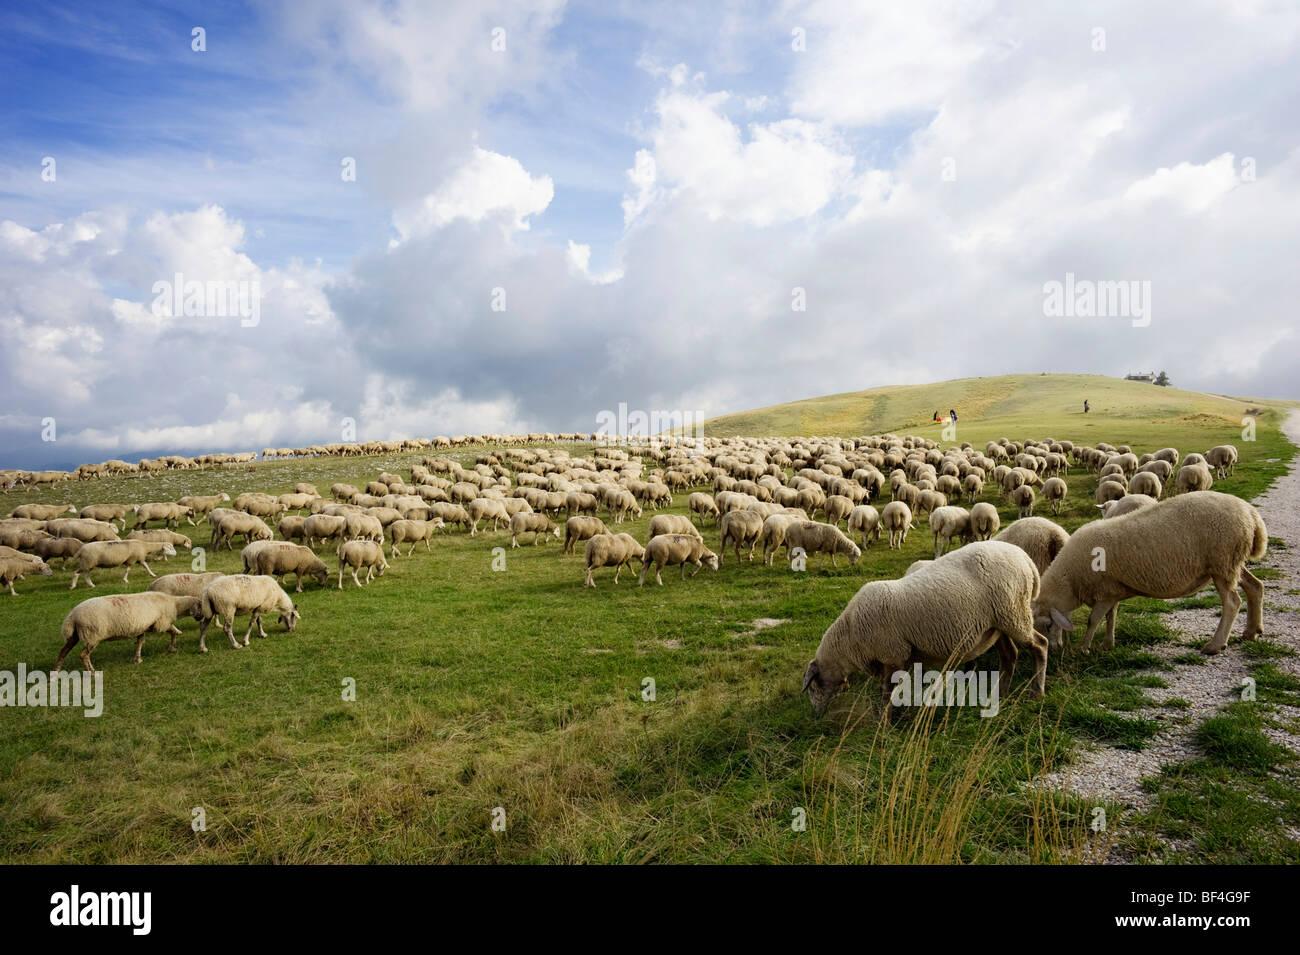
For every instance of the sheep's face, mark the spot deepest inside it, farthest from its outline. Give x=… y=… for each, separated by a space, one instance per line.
x=320 y=575
x=1053 y=623
x=822 y=684
x=712 y=561
x=290 y=619
x=855 y=554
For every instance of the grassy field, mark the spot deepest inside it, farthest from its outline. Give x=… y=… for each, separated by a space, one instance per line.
x=479 y=689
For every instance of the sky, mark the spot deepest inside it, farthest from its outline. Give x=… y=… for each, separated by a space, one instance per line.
x=501 y=216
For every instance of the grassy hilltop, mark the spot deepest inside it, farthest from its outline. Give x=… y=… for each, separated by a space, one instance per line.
x=479 y=688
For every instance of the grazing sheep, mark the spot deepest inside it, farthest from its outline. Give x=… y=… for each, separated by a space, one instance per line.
x=302 y=487
x=611 y=550
x=292 y=528
x=118 y=554
x=161 y=534
x=929 y=500
x=1223 y=459
x=984 y=521
x=946 y=523
x=119 y=617
x=1170 y=550
x=363 y=527
x=1054 y=491
x=87 y=531
x=13 y=568
x=897 y=518
x=356 y=554
x=1110 y=491
x=817 y=538
x=324 y=527
x=279 y=559
x=1194 y=477
x=169 y=512
x=183 y=585
x=484 y=508
x=1144 y=482
x=202 y=504
x=227 y=525
x=1126 y=505
x=235 y=594
x=1023 y=498
x=449 y=513
x=537 y=524
x=838 y=508
x=581 y=529
x=974 y=485
x=621 y=503
x=703 y=505
x=773 y=534
x=740 y=528
x=414 y=531
x=1038 y=537
x=865 y=519
x=946 y=613
x=57 y=548
x=672 y=524
x=42 y=512
x=669 y=549
x=106 y=512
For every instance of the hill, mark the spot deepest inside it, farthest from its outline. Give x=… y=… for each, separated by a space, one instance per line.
x=1010 y=405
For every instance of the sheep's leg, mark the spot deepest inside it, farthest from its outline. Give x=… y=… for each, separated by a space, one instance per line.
x=640 y=580
x=230 y=631
x=340 y=576
x=1007 y=654
x=355 y=579
x=85 y=660
x=658 y=580
x=514 y=540
x=587 y=581
x=1254 y=603
x=261 y=631
x=139 y=645
x=298 y=589
x=67 y=647
x=1231 y=605
x=1110 y=627
x=1098 y=614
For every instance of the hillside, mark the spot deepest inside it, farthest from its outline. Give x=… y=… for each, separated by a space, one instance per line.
x=1014 y=405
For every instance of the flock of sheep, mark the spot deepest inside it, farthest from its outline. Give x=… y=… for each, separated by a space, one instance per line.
x=1162 y=532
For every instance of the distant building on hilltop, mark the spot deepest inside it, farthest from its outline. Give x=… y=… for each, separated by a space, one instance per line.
x=1148 y=377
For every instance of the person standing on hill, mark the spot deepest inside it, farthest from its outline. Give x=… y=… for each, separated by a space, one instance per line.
x=952 y=413
x=1085 y=405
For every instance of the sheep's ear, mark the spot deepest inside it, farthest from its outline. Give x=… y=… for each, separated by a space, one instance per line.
x=811 y=675
x=1062 y=621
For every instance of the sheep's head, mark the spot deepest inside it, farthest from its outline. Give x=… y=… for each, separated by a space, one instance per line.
x=290 y=618
x=320 y=574
x=44 y=570
x=822 y=684
x=712 y=560
x=855 y=553
x=1050 y=621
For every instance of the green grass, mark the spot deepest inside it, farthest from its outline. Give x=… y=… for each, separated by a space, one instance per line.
x=519 y=689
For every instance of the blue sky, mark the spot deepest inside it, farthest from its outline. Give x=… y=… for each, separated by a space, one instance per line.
x=649 y=183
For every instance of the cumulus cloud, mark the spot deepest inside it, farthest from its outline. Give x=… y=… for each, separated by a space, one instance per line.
x=486 y=184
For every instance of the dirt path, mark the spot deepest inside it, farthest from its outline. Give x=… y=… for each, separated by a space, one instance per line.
x=1116 y=775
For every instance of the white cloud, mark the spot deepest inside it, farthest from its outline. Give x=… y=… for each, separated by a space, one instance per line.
x=1193 y=187
x=486 y=184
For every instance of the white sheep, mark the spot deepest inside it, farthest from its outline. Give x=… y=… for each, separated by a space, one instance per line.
x=119 y=617
x=865 y=520
x=400 y=532
x=356 y=554
x=1038 y=537
x=183 y=585
x=1023 y=498
x=897 y=518
x=118 y=554
x=580 y=529
x=1169 y=550
x=946 y=523
x=740 y=527
x=673 y=524
x=944 y=614
x=611 y=550
x=817 y=538
x=1223 y=459
x=280 y=558
x=1126 y=505
x=13 y=568
x=234 y=594
x=526 y=522
x=1054 y=491
x=984 y=521
x=669 y=549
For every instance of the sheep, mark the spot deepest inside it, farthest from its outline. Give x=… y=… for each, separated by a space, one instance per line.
x=57 y=548
x=202 y=504
x=1038 y=537
x=621 y=503
x=118 y=554
x=302 y=487
x=606 y=550
x=227 y=524
x=669 y=549
x=292 y=528
x=230 y=596
x=87 y=531
x=773 y=534
x=580 y=529
x=946 y=523
x=324 y=527
x=279 y=559
x=42 y=512
x=984 y=521
x=1169 y=550
x=1126 y=505
x=169 y=512
x=1223 y=459
x=482 y=508
x=974 y=485
x=816 y=538
x=1109 y=491
x=1144 y=482
x=363 y=527
x=119 y=617
x=414 y=531
x=740 y=527
x=183 y=585
x=838 y=508
x=1194 y=477
x=578 y=502
x=161 y=534
x=449 y=513
x=672 y=524
x=13 y=568
x=356 y=554
x=538 y=524
x=704 y=505
x=1054 y=491
x=106 y=512
x=865 y=519
x=1023 y=498
x=944 y=614
x=897 y=518
x=929 y=500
